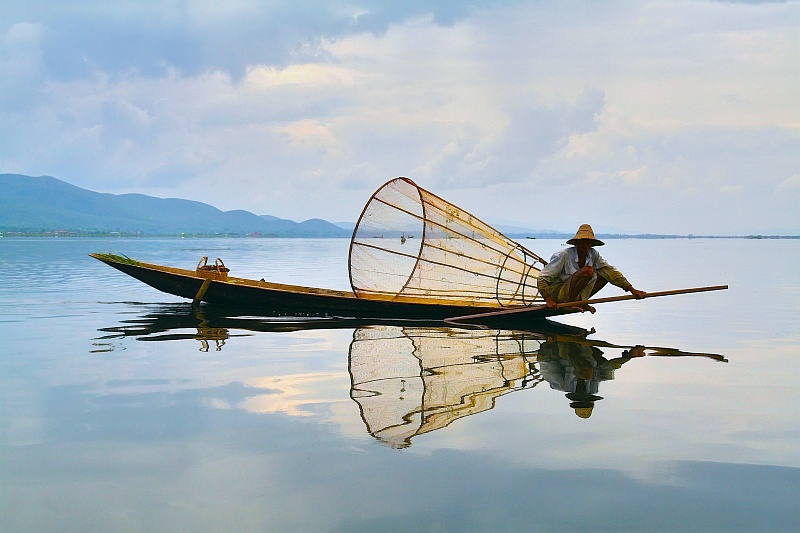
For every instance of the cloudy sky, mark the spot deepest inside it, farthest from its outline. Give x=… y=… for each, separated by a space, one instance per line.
x=651 y=116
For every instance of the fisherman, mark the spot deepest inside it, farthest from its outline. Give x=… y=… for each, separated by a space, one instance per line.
x=578 y=273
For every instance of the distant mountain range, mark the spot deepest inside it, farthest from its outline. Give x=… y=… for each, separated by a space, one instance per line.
x=46 y=204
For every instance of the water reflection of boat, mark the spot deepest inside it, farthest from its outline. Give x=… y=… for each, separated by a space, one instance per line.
x=411 y=378
x=162 y=322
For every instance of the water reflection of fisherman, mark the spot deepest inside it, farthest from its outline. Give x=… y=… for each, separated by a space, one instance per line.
x=577 y=368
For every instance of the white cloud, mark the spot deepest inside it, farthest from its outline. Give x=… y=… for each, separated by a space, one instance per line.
x=260 y=78
x=20 y=65
x=307 y=133
x=633 y=176
x=792 y=183
x=600 y=105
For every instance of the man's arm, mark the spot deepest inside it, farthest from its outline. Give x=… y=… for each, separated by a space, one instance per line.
x=550 y=273
x=610 y=273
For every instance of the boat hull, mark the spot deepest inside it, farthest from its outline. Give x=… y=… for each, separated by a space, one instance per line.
x=275 y=298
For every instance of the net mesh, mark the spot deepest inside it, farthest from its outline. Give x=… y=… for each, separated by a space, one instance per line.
x=412 y=245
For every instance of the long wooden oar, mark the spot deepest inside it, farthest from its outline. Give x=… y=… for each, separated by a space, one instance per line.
x=580 y=303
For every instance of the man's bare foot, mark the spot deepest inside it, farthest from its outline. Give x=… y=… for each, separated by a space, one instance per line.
x=586 y=307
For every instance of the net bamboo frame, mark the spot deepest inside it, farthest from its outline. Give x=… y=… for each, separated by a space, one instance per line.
x=412 y=245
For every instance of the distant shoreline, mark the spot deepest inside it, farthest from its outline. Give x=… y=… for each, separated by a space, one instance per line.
x=46 y=207
x=532 y=236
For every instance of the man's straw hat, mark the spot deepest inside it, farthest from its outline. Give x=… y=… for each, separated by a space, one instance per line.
x=585 y=233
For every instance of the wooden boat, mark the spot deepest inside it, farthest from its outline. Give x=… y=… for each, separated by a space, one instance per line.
x=413 y=255
x=278 y=298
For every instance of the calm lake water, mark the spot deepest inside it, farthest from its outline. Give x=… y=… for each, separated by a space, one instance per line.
x=122 y=409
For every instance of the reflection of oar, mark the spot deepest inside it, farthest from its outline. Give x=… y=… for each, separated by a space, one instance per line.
x=582 y=303
x=653 y=350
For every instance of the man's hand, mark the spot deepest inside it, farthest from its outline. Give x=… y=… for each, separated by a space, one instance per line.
x=639 y=294
x=549 y=302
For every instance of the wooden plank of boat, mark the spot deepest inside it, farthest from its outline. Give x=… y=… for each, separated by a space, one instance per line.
x=277 y=297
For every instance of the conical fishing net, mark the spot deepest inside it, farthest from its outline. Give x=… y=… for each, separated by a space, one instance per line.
x=411 y=245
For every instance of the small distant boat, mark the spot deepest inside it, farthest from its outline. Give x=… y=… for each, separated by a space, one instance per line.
x=460 y=270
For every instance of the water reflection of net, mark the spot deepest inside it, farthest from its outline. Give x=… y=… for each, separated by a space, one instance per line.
x=409 y=381
x=412 y=245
